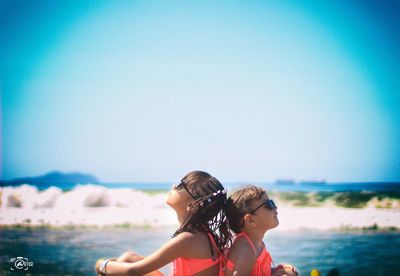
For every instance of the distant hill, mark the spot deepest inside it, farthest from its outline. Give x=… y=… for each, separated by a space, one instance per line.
x=54 y=178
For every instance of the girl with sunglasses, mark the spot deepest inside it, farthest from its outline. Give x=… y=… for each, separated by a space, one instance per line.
x=196 y=246
x=251 y=213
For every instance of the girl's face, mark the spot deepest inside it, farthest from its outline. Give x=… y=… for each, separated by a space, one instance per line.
x=266 y=213
x=179 y=197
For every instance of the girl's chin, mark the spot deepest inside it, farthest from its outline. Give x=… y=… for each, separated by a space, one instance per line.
x=168 y=199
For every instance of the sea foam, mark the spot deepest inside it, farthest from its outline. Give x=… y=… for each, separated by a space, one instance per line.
x=83 y=205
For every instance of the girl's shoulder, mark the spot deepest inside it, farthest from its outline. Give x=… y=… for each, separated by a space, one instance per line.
x=241 y=249
x=192 y=236
x=197 y=244
x=241 y=257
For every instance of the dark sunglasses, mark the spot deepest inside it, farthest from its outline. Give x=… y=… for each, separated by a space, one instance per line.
x=269 y=204
x=181 y=186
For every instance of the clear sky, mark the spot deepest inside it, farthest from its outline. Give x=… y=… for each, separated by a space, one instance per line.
x=247 y=90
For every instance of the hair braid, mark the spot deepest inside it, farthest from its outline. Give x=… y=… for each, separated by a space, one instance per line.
x=207 y=212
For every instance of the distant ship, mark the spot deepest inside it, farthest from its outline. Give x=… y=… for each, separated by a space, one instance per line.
x=313 y=182
x=285 y=182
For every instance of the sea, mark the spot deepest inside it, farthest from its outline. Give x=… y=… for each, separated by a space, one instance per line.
x=74 y=252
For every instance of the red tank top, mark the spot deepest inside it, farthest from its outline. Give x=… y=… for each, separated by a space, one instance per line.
x=187 y=266
x=262 y=266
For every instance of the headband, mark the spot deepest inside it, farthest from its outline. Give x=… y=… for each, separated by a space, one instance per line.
x=212 y=196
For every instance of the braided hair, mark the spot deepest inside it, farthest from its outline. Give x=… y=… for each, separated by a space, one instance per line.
x=207 y=212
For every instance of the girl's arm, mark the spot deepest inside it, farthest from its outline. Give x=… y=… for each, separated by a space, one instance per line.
x=132 y=257
x=244 y=265
x=243 y=258
x=173 y=249
x=129 y=257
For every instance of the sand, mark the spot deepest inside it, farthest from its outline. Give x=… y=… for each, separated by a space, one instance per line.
x=91 y=205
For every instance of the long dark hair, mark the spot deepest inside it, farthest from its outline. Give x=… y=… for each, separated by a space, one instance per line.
x=207 y=212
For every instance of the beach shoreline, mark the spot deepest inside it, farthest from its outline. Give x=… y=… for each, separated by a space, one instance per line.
x=92 y=206
x=291 y=218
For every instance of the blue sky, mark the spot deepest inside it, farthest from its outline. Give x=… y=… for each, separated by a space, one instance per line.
x=247 y=90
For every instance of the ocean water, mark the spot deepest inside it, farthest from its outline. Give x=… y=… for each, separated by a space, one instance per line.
x=74 y=252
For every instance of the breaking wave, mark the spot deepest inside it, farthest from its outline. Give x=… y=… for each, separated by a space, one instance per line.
x=85 y=204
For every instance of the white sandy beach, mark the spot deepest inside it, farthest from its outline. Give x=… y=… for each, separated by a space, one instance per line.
x=92 y=205
x=324 y=218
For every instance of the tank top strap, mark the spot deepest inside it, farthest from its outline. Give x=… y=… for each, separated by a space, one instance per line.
x=264 y=254
x=243 y=234
x=211 y=238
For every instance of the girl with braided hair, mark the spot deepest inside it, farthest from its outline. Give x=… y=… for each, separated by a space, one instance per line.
x=196 y=246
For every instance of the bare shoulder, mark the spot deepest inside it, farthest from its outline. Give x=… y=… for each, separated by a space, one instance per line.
x=192 y=237
x=243 y=257
x=197 y=244
x=241 y=250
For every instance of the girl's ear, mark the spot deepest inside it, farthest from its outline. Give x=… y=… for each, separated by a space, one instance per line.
x=249 y=220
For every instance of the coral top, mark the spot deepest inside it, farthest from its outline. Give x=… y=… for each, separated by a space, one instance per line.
x=186 y=266
x=262 y=266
